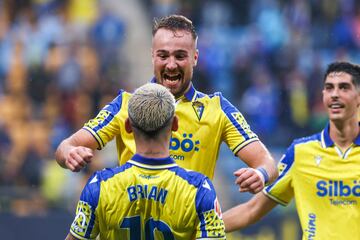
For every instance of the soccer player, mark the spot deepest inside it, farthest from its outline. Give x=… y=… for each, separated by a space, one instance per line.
x=150 y=195
x=321 y=172
x=205 y=121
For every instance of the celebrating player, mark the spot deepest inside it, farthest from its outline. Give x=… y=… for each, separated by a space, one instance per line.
x=205 y=120
x=149 y=192
x=322 y=171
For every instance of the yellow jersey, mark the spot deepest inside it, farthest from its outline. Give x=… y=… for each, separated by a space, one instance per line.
x=205 y=121
x=325 y=183
x=148 y=199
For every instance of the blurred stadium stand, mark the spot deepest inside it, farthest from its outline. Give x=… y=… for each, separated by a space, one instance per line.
x=61 y=61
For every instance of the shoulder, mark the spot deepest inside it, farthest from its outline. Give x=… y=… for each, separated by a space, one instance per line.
x=92 y=188
x=116 y=104
x=299 y=144
x=191 y=177
x=306 y=140
x=218 y=99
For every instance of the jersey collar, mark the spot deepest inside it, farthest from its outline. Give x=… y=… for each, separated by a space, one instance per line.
x=152 y=163
x=190 y=95
x=326 y=141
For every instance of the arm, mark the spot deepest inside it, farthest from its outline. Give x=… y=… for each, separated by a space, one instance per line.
x=70 y=237
x=255 y=155
x=76 y=151
x=248 y=213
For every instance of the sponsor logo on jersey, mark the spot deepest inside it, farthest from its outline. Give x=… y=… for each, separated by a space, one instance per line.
x=339 y=193
x=310 y=231
x=186 y=144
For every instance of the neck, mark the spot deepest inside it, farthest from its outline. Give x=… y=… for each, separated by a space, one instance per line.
x=153 y=149
x=344 y=133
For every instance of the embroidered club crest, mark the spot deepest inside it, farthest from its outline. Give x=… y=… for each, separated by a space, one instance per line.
x=198 y=108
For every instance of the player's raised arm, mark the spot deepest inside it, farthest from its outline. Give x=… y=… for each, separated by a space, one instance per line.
x=247 y=213
x=262 y=168
x=70 y=237
x=76 y=151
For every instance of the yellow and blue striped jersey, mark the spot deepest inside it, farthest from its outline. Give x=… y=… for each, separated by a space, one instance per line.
x=325 y=183
x=148 y=199
x=205 y=121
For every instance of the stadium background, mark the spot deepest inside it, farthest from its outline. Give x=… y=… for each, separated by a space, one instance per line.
x=61 y=61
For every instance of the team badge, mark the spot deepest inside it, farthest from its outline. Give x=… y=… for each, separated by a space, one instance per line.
x=198 y=108
x=82 y=219
x=317 y=160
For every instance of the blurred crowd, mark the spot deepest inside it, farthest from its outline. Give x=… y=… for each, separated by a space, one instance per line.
x=62 y=60
x=268 y=56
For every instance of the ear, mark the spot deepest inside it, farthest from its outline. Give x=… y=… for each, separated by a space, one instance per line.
x=175 y=124
x=152 y=56
x=128 y=126
x=196 y=57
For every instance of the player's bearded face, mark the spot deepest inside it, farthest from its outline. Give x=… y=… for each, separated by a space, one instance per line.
x=340 y=96
x=174 y=56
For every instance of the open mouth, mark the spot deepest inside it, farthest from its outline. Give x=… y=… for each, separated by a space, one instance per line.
x=171 y=80
x=173 y=77
x=336 y=106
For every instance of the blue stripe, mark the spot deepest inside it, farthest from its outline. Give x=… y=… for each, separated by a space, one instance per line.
x=202 y=226
x=153 y=161
x=90 y=194
x=113 y=107
x=189 y=95
x=328 y=141
x=228 y=108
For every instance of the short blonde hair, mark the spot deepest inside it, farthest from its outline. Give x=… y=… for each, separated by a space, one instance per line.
x=151 y=107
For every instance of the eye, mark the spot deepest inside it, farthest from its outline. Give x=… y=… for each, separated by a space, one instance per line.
x=181 y=56
x=328 y=87
x=344 y=86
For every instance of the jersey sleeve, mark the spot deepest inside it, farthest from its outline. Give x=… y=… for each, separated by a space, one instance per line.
x=236 y=131
x=85 y=224
x=104 y=127
x=208 y=209
x=281 y=189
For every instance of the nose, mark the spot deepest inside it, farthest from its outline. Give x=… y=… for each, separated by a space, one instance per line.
x=335 y=93
x=171 y=64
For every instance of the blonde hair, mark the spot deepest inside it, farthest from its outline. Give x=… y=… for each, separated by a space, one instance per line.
x=151 y=107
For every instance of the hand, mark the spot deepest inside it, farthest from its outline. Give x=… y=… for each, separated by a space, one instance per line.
x=78 y=157
x=249 y=180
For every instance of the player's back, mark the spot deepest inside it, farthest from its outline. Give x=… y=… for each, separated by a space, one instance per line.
x=152 y=197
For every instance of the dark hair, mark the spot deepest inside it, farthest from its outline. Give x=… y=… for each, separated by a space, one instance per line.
x=346 y=67
x=174 y=23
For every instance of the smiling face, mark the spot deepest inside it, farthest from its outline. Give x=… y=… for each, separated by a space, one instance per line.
x=340 y=96
x=174 y=55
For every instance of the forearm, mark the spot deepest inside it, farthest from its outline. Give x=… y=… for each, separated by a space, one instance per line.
x=256 y=155
x=76 y=151
x=270 y=167
x=236 y=218
x=60 y=152
x=248 y=213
